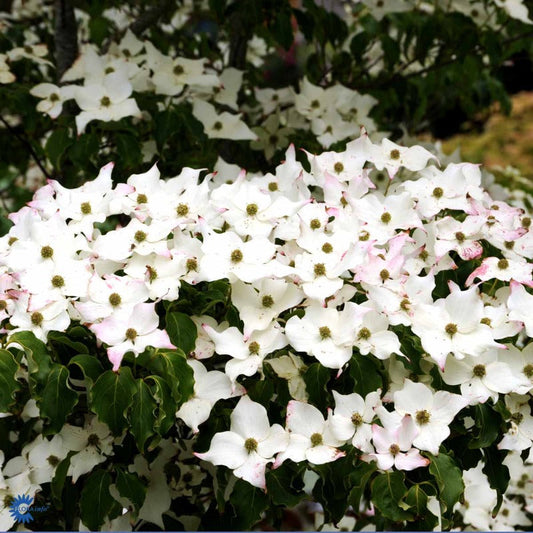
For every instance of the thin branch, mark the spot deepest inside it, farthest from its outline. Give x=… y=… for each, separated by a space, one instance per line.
x=66 y=36
x=27 y=144
x=142 y=23
x=437 y=66
x=150 y=16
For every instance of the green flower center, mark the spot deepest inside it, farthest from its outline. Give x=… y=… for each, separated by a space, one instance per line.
x=338 y=167
x=451 y=329
x=316 y=439
x=250 y=445
x=517 y=418
x=54 y=97
x=152 y=274
x=528 y=370
x=479 y=371
x=58 y=282
x=357 y=419
x=131 y=334
x=140 y=236
x=325 y=332
x=85 y=208
x=315 y=104
x=422 y=417
x=327 y=248
x=386 y=217
x=47 y=252
x=53 y=460
x=394 y=449
x=115 y=299
x=395 y=154
x=267 y=301
x=405 y=305
x=251 y=210
x=3 y=305
x=217 y=126
x=178 y=70
x=182 y=210
x=105 y=101
x=254 y=348
x=191 y=264
x=93 y=439
x=319 y=269
x=384 y=274
x=364 y=334
x=142 y=198
x=437 y=192
x=37 y=318
x=315 y=223
x=272 y=186
x=503 y=264
x=460 y=236
x=236 y=256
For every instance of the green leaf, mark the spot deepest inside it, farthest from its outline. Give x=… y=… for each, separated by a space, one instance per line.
x=166 y=415
x=56 y=145
x=488 y=422
x=332 y=488
x=58 y=398
x=449 y=480
x=417 y=500
x=281 y=28
x=90 y=366
x=58 y=481
x=359 y=479
x=388 y=491
x=178 y=374
x=63 y=344
x=248 y=503
x=284 y=485
x=8 y=383
x=182 y=331
x=95 y=500
x=316 y=378
x=497 y=472
x=365 y=374
x=131 y=487
x=111 y=396
x=167 y=123
x=142 y=414
x=38 y=358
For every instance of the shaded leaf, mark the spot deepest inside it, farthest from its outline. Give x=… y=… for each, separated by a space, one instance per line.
x=316 y=378
x=284 y=485
x=182 y=331
x=142 y=414
x=58 y=398
x=8 y=383
x=388 y=492
x=449 y=480
x=248 y=503
x=166 y=414
x=131 y=487
x=89 y=365
x=95 y=500
x=111 y=396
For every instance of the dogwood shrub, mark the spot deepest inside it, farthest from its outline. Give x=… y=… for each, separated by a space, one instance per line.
x=208 y=350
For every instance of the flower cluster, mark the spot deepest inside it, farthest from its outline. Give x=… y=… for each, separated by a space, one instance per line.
x=368 y=252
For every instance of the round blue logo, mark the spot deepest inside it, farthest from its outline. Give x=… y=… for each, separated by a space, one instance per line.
x=20 y=508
